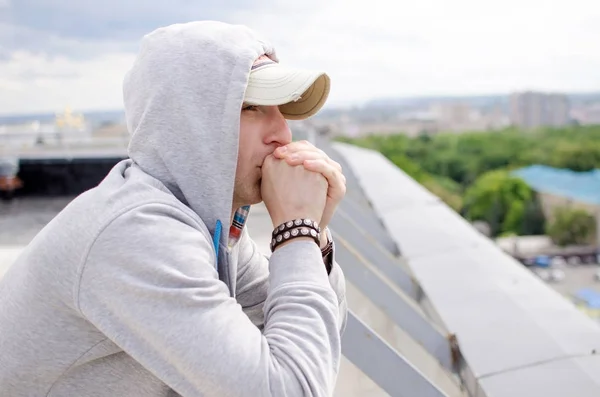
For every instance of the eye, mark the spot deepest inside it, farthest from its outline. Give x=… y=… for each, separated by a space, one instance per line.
x=250 y=107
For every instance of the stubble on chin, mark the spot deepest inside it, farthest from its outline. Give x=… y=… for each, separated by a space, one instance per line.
x=257 y=189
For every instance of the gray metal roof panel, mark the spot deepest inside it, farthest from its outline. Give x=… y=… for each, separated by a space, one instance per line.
x=519 y=320
x=356 y=203
x=428 y=228
x=570 y=377
x=354 y=190
x=366 y=165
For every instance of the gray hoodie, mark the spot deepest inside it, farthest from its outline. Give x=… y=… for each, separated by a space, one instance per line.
x=132 y=290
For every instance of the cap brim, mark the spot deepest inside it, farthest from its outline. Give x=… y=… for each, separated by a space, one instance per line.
x=298 y=93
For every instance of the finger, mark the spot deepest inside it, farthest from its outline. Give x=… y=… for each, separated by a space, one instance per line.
x=337 y=165
x=294 y=147
x=268 y=161
x=336 y=180
x=298 y=148
x=300 y=157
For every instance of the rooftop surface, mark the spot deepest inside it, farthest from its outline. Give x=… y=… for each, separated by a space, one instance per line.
x=518 y=336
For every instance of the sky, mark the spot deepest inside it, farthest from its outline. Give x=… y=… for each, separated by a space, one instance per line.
x=57 y=53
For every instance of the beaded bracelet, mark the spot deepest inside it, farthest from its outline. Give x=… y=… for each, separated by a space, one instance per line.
x=293 y=229
x=296 y=223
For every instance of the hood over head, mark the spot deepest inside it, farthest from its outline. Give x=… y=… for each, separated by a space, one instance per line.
x=183 y=98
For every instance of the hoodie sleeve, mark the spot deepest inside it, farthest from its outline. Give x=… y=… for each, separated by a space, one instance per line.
x=149 y=284
x=253 y=282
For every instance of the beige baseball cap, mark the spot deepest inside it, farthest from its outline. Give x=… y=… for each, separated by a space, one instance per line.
x=299 y=93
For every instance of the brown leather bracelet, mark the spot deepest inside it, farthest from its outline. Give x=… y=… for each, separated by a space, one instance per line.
x=296 y=223
x=294 y=229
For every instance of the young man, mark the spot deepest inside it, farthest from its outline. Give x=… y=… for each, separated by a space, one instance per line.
x=149 y=284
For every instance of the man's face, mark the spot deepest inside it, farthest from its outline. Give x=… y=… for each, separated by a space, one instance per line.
x=262 y=130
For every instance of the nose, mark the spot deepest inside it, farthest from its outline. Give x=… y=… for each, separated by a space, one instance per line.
x=279 y=131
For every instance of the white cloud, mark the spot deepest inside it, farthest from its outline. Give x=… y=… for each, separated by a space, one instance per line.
x=34 y=83
x=382 y=48
x=372 y=49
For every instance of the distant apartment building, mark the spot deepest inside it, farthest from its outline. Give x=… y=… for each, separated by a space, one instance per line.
x=536 y=109
x=462 y=117
x=455 y=116
x=587 y=114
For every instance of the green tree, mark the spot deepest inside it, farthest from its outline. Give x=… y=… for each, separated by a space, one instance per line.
x=465 y=157
x=571 y=226
x=499 y=199
x=576 y=156
x=534 y=220
x=452 y=166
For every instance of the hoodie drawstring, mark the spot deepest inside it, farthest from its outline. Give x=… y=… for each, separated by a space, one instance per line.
x=216 y=239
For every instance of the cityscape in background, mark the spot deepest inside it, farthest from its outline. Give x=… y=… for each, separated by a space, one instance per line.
x=416 y=116
x=410 y=116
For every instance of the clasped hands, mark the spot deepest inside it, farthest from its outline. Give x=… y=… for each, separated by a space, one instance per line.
x=300 y=180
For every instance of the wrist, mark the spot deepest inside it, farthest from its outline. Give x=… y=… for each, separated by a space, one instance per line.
x=324 y=238
x=279 y=220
